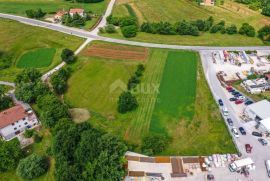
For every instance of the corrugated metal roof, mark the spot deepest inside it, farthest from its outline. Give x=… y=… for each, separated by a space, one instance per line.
x=261 y=109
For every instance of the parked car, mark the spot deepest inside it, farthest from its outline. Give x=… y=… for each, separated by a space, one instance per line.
x=235 y=133
x=248 y=102
x=248 y=148
x=220 y=102
x=238 y=101
x=262 y=141
x=254 y=133
x=241 y=98
x=235 y=93
x=242 y=131
x=232 y=90
x=230 y=122
x=233 y=99
x=210 y=177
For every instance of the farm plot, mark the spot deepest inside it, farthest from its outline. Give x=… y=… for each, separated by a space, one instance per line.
x=116 y=52
x=177 y=91
x=173 y=98
x=38 y=58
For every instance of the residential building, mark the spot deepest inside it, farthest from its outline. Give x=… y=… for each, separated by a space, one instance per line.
x=59 y=15
x=208 y=2
x=15 y=120
x=78 y=11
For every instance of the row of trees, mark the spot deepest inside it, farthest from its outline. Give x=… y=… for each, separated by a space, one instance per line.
x=84 y=153
x=127 y=101
x=31 y=13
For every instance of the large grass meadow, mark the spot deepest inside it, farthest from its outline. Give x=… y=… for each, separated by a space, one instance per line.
x=19 y=39
x=177 y=10
x=173 y=97
x=19 y=7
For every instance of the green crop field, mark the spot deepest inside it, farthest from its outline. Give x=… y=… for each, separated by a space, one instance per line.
x=36 y=58
x=20 y=6
x=177 y=10
x=173 y=97
x=177 y=91
x=18 y=39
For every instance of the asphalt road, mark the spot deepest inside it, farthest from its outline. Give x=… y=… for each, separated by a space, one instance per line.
x=259 y=153
x=93 y=34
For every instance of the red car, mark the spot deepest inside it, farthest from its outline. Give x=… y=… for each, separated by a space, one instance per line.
x=238 y=101
x=229 y=88
x=248 y=148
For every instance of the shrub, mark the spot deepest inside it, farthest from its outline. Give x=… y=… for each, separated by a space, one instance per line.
x=264 y=33
x=110 y=28
x=67 y=55
x=247 y=30
x=154 y=144
x=5 y=60
x=127 y=102
x=35 y=13
x=186 y=28
x=129 y=31
x=28 y=133
x=266 y=10
x=128 y=20
x=32 y=166
x=231 y=30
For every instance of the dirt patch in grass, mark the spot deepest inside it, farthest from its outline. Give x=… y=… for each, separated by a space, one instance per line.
x=79 y=115
x=117 y=52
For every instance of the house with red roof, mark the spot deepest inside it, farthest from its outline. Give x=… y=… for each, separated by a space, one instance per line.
x=78 y=11
x=15 y=120
x=59 y=15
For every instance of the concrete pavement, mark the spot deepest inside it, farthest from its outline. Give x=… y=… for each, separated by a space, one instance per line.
x=259 y=153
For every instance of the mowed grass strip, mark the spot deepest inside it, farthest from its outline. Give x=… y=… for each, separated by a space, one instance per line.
x=38 y=58
x=177 y=91
x=147 y=95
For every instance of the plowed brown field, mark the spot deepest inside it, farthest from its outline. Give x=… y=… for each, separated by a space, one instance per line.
x=117 y=52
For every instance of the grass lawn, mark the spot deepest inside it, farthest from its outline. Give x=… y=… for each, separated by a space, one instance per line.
x=18 y=39
x=176 y=10
x=173 y=91
x=38 y=58
x=19 y=7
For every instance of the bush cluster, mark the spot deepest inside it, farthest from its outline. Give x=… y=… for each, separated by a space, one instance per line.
x=256 y=5
x=35 y=13
x=74 y=21
x=128 y=102
x=264 y=33
x=59 y=81
x=128 y=25
x=5 y=60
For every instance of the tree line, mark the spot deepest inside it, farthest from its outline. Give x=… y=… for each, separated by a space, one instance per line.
x=127 y=101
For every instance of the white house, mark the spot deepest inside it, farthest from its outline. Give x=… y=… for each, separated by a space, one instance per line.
x=15 y=120
x=78 y=11
x=258 y=111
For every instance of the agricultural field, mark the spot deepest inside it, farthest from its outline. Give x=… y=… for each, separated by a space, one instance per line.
x=173 y=97
x=19 y=7
x=18 y=39
x=37 y=58
x=177 y=10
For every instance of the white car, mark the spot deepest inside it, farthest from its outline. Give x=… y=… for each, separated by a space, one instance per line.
x=241 y=98
x=235 y=132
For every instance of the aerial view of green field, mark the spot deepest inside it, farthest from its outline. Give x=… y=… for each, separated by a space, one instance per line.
x=170 y=103
x=37 y=58
x=39 y=42
x=20 y=6
x=178 y=10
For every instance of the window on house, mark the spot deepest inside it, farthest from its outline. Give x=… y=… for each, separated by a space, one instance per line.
x=15 y=128
x=12 y=124
x=23 y=118
x=25 y=123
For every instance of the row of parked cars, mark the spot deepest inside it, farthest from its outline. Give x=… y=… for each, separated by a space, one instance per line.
x=238 y=98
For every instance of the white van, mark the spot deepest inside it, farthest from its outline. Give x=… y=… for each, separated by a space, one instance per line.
x=225 y=111
x=267 y=165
